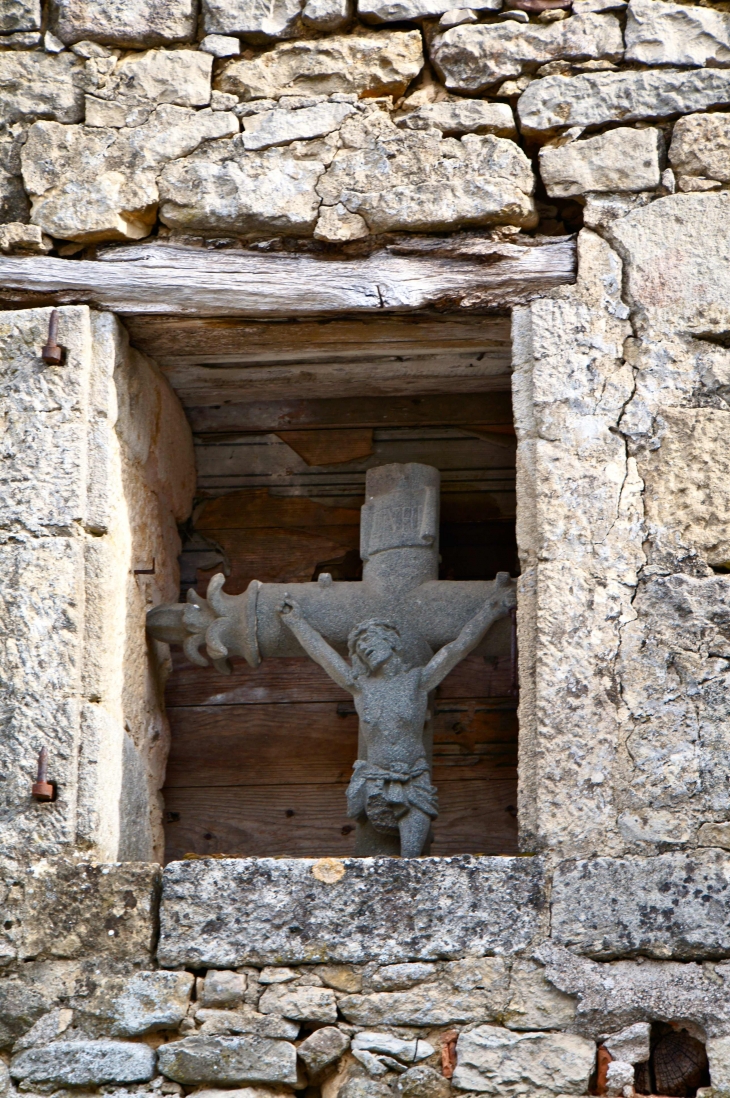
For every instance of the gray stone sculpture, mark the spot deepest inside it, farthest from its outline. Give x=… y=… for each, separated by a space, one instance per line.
x=390 y=624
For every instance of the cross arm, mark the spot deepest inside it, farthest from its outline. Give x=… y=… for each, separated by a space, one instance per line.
x=315 y=645
x=496 y=606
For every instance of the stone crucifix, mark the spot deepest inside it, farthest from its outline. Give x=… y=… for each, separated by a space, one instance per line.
x=403 y=629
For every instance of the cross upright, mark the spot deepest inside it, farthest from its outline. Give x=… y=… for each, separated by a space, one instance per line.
x=403 y=629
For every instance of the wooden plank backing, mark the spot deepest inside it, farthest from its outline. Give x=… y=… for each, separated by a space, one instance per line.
x=480 y=410
x=301 y=680
x=316 y=742
x=299 y=821
x=171 y=279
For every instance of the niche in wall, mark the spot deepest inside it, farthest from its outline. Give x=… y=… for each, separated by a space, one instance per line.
x=287 y=419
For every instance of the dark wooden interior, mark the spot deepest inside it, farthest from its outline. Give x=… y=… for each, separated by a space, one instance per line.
x=260 y=760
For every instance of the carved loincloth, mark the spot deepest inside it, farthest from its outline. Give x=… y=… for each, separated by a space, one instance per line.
x=385 y=796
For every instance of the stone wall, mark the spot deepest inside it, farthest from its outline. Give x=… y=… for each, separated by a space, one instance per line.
x=97 y=467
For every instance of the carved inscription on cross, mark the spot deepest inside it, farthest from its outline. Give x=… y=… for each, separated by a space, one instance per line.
x=389 y=640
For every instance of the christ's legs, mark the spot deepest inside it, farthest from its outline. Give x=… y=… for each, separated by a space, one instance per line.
x=414 y=828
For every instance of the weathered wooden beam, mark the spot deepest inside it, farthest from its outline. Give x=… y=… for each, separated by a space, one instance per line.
x=171 y=279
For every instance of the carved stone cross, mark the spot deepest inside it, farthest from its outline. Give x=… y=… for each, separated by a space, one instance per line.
x=402 y=627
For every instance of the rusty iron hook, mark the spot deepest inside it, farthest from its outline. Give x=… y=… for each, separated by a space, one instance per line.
x=42 y=789
x=52 y=354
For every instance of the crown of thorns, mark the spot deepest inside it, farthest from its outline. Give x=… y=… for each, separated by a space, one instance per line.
x=364 y=627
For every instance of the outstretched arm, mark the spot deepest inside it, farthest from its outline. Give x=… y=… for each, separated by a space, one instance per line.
x=494 y=608
x=315 y=645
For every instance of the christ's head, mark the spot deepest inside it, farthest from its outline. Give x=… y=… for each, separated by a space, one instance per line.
x=372 y=644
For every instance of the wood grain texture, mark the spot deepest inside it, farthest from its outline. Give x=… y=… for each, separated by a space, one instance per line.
x=301 y=680
x=309 y=820
x=476 y=411
x=185 y=340
x=167 y=279
x=330 y=447
x=316 y=742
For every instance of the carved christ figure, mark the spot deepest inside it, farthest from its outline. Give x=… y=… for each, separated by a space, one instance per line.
x=391 y=785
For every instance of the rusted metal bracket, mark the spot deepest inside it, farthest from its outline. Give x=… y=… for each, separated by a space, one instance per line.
x=145 y=571
x=52 y=353
x=42 y=789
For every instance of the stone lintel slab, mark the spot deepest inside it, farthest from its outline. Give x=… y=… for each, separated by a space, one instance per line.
x=674 y=905
x=263 y=911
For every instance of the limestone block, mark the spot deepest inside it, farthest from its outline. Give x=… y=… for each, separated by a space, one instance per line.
x=91 y=183
x=419 y=182
x=337 y=225
x=364 y=1088
x=714 y=834
x=216 y=1023
x=150 y=1001
x=14 y=205
x=255 y=21
x=396 y=11
x=130 y=23
x=620 y=994
x=20 y=15
x=245 y=1092
x=533 y=1002
x=47 y=1028
x=675 y=249
x=326 y=15
x=496 y=1061
x=181 y=77
x=401 y=977
x=227 y=190
x=619 y=1075
x=365 y=64
x=222 y=989
x=302 y=1004
x=274 y=974
x=454 y=117
x=37 y=85
x=81 y=1063
x=322 y=1050
x=423 y=1082
x=444 y=907
x=718 y=1055
x=281 y=127
x=20 y=239
x=619 y=160
x=29 y=996
x=471 y=58
x=435 y=1003
x=408 y=1052
x=600 y=906
x=632 y=1045
x=61 y=909
x=220 y=45
x=661 y=33
x=229 y=1060
x=593 y=99
x=701 y=146
x=341 y=977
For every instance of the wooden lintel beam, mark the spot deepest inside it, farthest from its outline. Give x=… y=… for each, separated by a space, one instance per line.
x=171 y=279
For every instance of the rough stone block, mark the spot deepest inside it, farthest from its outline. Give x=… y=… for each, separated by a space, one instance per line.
x=63 y=909
x=20 y=15
x=151 y=1001
x=326 y=15
x=632 y=1045
x=130 y=23
x=84 y=1063
x=222 y=989
x=396 y=11
x=153 y=77
x=533 y=1002
x=264 y=911
x=29 y=995
x=701 y=147
x=229 y=1060
x=592 y=99
x=363 y=64
x=671 y=905
x=400 y=977
x=471 y=58
x=38 y=85
x=301 y=1004
x=619 y=160
x=423 y=1082
x=714 y=834
x=281 y=127
x=420 y=182
x=718 y=1055
x=252 y=20
x=246 y=1092
x=20 y=239
x=322 y=1050
x=220 y=45
x=675 y=34
x=496 y=1061
x=454 y=117
x=215 y=1023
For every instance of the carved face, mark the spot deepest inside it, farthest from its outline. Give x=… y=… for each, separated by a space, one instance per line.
x=374 y=648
